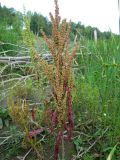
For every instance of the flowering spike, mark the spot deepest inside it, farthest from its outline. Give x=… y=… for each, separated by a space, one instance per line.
x=57 y=144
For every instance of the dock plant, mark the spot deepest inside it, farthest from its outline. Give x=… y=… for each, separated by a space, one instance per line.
x=59 y=75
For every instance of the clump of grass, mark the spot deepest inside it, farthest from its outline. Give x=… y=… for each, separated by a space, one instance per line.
x=100 y=68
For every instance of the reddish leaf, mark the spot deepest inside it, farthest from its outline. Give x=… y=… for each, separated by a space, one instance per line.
x=35 y=132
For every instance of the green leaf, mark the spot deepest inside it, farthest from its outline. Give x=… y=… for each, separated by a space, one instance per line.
x=1 y=123
x=112 y=153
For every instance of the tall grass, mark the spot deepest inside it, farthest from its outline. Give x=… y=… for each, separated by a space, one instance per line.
x=98 y=83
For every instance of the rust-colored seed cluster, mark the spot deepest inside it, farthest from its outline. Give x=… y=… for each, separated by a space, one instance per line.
x=59 y=75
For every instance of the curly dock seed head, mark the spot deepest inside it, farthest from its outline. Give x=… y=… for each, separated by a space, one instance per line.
x=59 y=74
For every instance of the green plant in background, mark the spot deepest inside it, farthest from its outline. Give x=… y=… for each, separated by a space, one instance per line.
x=4 y=117
x=10 y=143
x=86 y=99
x=100 y=74
x=22 y=90
x=4 y=114
x=88 y=157
x=78 y=143
x=10 y=29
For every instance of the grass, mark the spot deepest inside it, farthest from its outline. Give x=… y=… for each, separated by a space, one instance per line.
x=98 y=89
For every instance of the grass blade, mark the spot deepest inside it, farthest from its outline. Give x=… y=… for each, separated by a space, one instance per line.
x=112 y=153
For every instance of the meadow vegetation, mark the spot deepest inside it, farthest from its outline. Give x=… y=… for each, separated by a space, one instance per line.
x=60 y=98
